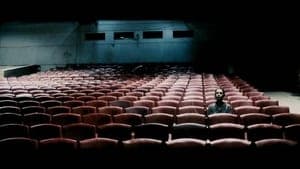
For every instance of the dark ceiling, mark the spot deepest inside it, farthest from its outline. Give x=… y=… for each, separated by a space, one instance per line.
x=93 y=10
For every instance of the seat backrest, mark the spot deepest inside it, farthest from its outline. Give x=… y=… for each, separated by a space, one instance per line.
x=271 y=110
x=65 y=118
x=152 y=130
x=191 y=118
x=21 y=145
x=284 y=119
x=222 y=118
x=189 y=130
x=82 y=110
x=8 y=118
x=142 y=110
x=264 y=131
x=226 y=130
x=246 y=109
x=292 y=132
x=79 y=131
x=255 y=118
x=165 y=109
x=45 y=131
x=191 y=109
x=97 y=118
x=132 y=119
x=115 y=131
x=112 y=110
x=13 y=130
x=161 y=118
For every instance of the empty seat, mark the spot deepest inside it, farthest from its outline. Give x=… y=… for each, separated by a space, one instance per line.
x=160 y=94
x=186 y=146
x=84 y=110
x=146 y=103
x=142 y=110
x=33 y=109
x=58 y=110
x=27 y=103
x=263 y=97
x=171 y=97
x=191 y=109
x=95 y=149
x=97 y=103
x=200 y=98
x=129 y=98
x=121 y=103
x=264 y=131
x=8 y=103
x=64 y=98
x=36 y=118
x=73 y=103
x=59 y=146
x=137 y=94
x=292 y=132
x=132 y=119
x=285 y=119
x=255 y=118
x=228 y=149
x=271 y=110
x=13 y=130
x=6 y=97
x=96 y=94
x=165 y=109
x=65 y=118
x=50 y=103
x=114 y=131
x=237 y=103
x=86 y=98
x=97 y=118
x=141 y=149
x=189 y=130
x=116 y=94
x=111 y=110
x=152 y=130
x=222 y=118
x=172 y=103
x=280 y=152
x=265 y=103
x=79 y=131
x=191 y=118
x=7 y=118
x=275 y=144
x=18 y=148
x=10 y=109
x=161 y=118
x=45 y=131
x=192 y=103
x=253 y=93
x=246 y=109
x=227 y=130
x=230 y=144
x=107 y=98
x=104 y=90
x=233 y=98
x=153 y=98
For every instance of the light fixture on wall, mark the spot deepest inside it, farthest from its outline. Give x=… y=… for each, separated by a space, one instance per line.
x=137 y=36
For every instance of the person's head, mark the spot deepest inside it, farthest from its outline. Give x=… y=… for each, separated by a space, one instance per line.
x=219 y=94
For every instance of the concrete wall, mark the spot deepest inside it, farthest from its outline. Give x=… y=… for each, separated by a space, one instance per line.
x=46 y=44
x=59 y=43
x=166 y=49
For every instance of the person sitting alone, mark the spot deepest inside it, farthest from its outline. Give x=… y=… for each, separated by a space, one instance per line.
x=219 y=106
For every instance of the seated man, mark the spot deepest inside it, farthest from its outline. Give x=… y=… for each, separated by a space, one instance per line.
x=219 y=106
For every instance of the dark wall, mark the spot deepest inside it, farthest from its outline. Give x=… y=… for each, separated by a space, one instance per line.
x=258 y=45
